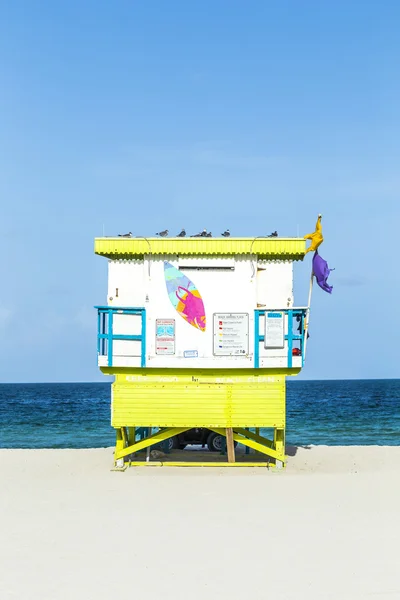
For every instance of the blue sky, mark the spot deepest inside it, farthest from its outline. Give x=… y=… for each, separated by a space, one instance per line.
x=250 y=115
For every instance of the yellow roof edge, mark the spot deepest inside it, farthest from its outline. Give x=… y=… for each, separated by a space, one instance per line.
x=290 y=248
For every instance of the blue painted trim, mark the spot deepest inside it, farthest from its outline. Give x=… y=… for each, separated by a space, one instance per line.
x=103 y=343
x=98 y=333
x=257 y=339
x=110 y=338
x=143 y=352
x=105 y=333
x=121 y=337
x=123 y=309
x=290 y=338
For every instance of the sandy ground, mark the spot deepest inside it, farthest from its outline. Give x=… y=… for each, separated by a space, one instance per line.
x=327 y=527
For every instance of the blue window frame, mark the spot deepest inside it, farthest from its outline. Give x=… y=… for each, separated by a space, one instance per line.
x=106 y=337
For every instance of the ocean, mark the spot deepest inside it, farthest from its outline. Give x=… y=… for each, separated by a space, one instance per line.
x=77 y=415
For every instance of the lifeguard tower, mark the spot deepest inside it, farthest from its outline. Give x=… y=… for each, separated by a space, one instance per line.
x=200 y=333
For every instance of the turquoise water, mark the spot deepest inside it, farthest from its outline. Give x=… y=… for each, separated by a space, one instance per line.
x=77 y=415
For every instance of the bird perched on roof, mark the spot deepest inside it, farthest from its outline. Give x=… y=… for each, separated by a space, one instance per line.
x=273 y=234
x=182 y=233
x=163 y=233
x=226 y=233
x=125 y=234
x=201 y=234
x=209 y=234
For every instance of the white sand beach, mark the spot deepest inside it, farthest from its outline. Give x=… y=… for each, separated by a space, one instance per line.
x=328 y=527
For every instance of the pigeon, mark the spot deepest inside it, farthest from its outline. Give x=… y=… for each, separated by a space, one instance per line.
x=125 y=234
x=201 y=234
x=163 y=233
x=273 y=234
x=182 y=233
x=209 y=234
x=226 y=233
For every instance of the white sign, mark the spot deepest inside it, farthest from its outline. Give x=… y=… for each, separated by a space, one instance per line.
x=274 y=329
x=231 y=334
x=165 y=336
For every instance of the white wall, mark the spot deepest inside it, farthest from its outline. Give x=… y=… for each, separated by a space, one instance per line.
x=275 y=284
x=239 y=289
x=126 y=283
x=222 y=291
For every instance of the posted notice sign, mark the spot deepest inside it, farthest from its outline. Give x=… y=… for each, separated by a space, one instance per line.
x=231 y=334
x=274 y=329
x=165 y=336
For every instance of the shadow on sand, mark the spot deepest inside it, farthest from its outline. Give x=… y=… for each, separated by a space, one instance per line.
x=292 y=450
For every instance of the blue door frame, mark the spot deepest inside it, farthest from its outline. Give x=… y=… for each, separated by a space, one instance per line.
x=289 y=337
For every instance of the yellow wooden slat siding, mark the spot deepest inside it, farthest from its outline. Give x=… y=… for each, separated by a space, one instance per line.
x=214 y=376
x=268 y=248
x=199 y=405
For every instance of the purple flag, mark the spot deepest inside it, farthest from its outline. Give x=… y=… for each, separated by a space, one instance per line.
x=321 y=272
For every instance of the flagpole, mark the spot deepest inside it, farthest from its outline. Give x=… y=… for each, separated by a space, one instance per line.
x=307 y=319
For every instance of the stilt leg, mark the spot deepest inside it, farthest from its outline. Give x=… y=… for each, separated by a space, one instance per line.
x=247 y=451
x=124 y=433
x=148 y=447
x=230 y=445
x=119 y=445
x=131 y=435
x=279 y=442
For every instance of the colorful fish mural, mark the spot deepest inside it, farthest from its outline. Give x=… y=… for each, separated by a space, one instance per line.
x=185 y=297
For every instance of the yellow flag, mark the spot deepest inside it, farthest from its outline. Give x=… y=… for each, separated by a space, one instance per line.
x=316 y=238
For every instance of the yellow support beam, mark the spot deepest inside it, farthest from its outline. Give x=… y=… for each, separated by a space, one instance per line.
x=255 y=445
x=156 y=438
x=119 y=444
x=199 y=464
x=256 y=437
